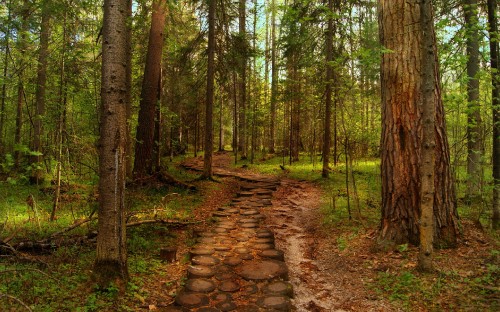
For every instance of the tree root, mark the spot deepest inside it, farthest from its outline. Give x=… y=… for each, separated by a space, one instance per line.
x=16 y=300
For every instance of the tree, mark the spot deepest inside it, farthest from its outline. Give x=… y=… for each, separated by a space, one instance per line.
x=209 y=136
x=474 y=154
x=328 y=92
x=428 y=108
x=37 y=172
x=495 y=104
x=111 y=256
x=274 y=79
x=242 y=89
x=144 y=149
x=401 y=144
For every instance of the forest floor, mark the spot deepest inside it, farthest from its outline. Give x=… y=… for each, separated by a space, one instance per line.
x=333 y=261
x=338 y=267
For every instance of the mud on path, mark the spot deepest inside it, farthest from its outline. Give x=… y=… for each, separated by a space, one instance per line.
x=323 y=279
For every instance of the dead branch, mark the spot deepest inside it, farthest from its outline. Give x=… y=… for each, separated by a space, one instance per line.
x=71 y=227
x=167 y=178
x=15 y=299
x=31 y=269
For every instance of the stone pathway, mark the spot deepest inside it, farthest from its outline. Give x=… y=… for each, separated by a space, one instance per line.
x=235 y=265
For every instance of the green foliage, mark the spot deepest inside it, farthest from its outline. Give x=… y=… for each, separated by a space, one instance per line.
x=398 y=287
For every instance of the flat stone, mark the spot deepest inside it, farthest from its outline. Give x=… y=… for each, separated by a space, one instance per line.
x=229 y=286
x=249 y=212
x=221 y=214
x=222 y=248
x=208 y=309
x=246 y=256
x=263 y=246
x=201 y=251
x=232 y=261
x=205 y=260
x=241 y=250
x=247 y=220
x=279 y=303
x=226 y=306
x=273 y=254
x=200 y=285
x=264 y=240
x=220 y=230
x=279 y=288
x=249 y=225
x=221 y=296
x=265 y=234
x=191 y=300
x=262 y=270
x=245 y=194
x=249 y=289
x=197 y=271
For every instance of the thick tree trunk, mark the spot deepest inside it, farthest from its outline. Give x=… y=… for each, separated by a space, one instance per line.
x=37 y=171
x=402 y=132
x=242 y=125
x=143 y=162
x=328 y=93
x=209 y=135
x=495 y=104
x=474 y=123
x=111 y=257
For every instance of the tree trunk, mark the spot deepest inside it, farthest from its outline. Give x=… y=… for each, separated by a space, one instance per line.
x=20 y=84
x=4 y=81
x=328 y=92
x=495 y=104
x=274 y=79
x=37 y=171
x=111 y=257
x=428 y=108
x=209 y=135
x=474 y=123
x=143 y=163
x=242 y=126
x=402 y=132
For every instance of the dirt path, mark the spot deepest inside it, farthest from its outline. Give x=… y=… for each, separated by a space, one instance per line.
x=266 y=243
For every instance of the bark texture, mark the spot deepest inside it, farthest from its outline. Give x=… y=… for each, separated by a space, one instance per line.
x=474 y=123
x=143 y=162
x=111 y=256
x=37 y=172
x=209 y=105
x=242 y=83
x=428 y=107
x=495 y=103
x=328 y=93
x=401 y=153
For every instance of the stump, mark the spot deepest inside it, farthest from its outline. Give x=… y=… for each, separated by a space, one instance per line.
x=168 y=254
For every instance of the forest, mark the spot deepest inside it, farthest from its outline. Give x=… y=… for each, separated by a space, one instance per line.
x=260 y=155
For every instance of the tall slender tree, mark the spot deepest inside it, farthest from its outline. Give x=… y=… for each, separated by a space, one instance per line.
x=274 y=79
x=242 y=89
x=428 y=108
x=401 y=145
x=495 y=104
x=328 y=91
x=209 y=104
x=37 y=171
x=144 y=149
x=474 y=123
x=111 y=256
